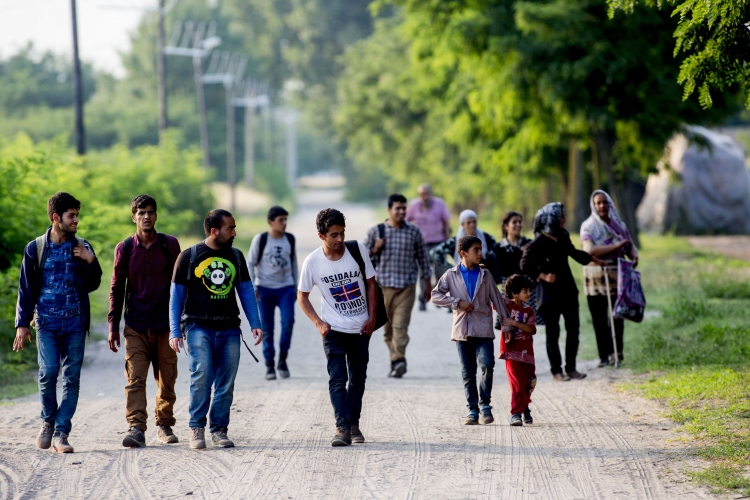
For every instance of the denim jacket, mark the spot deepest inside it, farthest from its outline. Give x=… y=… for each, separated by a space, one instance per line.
x=88 y=279
x=477 y=323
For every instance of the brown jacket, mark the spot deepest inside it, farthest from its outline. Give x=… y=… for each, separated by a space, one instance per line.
x=477 y=323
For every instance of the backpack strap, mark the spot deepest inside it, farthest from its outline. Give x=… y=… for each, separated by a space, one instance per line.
x=238 y=262
x=353 y=247
x=381 y=230
x=292 y=244
x=161 y=239
x=41 y=242
x=193 y=254
x=261 y=246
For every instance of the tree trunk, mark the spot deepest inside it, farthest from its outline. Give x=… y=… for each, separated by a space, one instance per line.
x=604 y=142
x=575 y=200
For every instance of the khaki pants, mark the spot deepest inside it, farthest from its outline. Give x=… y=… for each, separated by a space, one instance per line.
x=398 y=304
x=142 y=350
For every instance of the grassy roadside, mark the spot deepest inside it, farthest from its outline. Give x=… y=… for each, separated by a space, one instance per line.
x=694 y=356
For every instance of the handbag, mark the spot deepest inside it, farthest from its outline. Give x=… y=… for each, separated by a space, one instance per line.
x=631 y=301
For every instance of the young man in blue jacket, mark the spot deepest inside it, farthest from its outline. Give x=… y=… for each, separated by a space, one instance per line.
x=207 y=279
x=59 y=270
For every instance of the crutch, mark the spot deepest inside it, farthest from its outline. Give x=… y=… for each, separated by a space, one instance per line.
x=611 y=318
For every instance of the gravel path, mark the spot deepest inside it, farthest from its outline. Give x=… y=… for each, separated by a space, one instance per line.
x=588 y=441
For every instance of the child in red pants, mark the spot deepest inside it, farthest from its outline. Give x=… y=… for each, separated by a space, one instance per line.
x=517 y=347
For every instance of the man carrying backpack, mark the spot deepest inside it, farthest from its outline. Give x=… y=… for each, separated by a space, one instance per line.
x=141 y=279
x=58 y=272
x=207 y=280
x=273 y=255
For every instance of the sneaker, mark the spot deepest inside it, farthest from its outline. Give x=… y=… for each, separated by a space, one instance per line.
x=219 y=439
x=472 y=418
x=576 y=375
x=270 y=372
x=603 y=363
x=357 y=436
x=398 y=369
x=283 y=369
x=134 y=438
x=527 y=418
x=515 y=420
x=343 y=437
x=165 y=435
x=197 y=438
x=559 y=377
x=61 y=444
x=44 y=438
x=486 y=415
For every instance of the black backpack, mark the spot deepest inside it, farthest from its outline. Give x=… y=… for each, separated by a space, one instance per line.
x=381 y=317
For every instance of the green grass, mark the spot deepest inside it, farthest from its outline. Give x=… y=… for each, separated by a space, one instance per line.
x=694 y=357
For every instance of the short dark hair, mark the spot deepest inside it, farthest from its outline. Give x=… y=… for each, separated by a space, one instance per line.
x=466 y=242
x=516 y=283
x=215 y=220
x=61 y=203
x=506 y=219
x=142 y=201
x=329 y=217
x=276 y=211
x=396 y=198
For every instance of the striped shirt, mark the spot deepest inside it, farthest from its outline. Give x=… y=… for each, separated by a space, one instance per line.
x=404 y=254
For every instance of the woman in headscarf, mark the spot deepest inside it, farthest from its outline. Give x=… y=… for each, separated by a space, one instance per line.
x=546 y=259
x=605 y=236
x=509 y=252
x=468 y=221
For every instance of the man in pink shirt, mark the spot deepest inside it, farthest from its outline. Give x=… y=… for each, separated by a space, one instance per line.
x=430 y=214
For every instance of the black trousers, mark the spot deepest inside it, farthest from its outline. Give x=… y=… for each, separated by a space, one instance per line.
x=600 y=318
x=565 y=305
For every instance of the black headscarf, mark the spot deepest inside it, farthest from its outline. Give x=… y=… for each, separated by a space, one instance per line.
x=547 y=220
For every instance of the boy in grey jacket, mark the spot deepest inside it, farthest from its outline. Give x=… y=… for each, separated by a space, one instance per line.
x=471 y=292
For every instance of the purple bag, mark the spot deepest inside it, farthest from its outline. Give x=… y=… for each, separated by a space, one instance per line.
x=631 y=302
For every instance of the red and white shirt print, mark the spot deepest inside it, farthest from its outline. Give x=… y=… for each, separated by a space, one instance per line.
x=521 y=348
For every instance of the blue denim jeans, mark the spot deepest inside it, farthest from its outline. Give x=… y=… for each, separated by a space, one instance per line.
x=214 y=360
x=270 y=298
x=477 y=352
x=348 y=355
x=60 y=342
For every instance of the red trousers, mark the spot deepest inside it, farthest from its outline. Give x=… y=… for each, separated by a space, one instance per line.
x=522 y=379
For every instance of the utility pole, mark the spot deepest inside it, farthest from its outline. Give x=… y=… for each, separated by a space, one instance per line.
x=250 y=102
x=203 y=42
x=161 y=72
x=227 y=70
x=77 y=87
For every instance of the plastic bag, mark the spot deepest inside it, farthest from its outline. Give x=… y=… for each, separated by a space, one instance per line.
x=631 y=302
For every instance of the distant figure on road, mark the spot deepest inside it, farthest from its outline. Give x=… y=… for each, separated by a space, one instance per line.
x=58 y=272
x=399 y=255
x=212 y=274
x=517 y=347
x=431 y=215
x=273 y=255
x=606 y=236
x=349 y=305
x=470 y=292
x=546 y=259
x=141 y=279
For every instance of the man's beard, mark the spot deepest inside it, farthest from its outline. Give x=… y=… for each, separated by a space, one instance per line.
x=68 y=229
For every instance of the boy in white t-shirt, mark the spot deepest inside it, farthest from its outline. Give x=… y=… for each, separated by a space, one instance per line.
x=349 y=304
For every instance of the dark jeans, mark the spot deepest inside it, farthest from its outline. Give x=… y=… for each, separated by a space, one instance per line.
x=347 y=354
x=270 y=298
x=433 y=271
x=567 y=306
x=60 y=342
x=600 y=318
x=474 y=352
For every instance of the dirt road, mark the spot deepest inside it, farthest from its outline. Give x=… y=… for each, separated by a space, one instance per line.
x=588 y=441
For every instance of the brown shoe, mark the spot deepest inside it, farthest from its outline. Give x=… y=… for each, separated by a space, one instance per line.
x=44 y=439
x=343 y=437
x=357 y=436
x=559 y=377
x=61 y=444
x=165 y=435
x=576 y=375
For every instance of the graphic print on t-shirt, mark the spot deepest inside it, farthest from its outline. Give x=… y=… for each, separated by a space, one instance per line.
x=345 y=290
x=217 y=275
x=277 y=258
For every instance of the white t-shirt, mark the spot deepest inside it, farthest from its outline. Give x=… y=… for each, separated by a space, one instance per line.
x=344 y=290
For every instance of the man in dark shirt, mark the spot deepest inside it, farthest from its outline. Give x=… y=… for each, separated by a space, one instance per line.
x=212 y=274
x=59 y=270
x=141 y=279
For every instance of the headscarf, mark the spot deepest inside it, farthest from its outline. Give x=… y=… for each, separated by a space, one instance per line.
x=599 y=232
x=548 y=218
x=463 y=217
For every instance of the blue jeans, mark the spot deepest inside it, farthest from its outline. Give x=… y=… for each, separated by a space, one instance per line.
x=348 y=355
x=60 y=342
x=270 y=298
x=214 y=360
x=473 y=352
